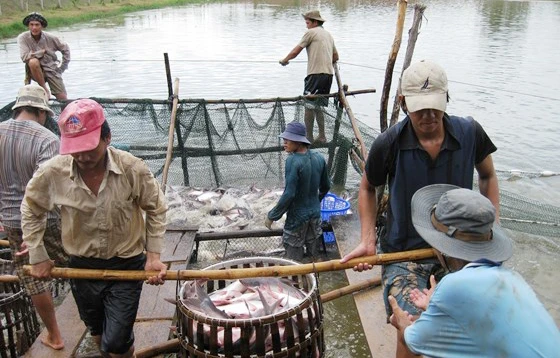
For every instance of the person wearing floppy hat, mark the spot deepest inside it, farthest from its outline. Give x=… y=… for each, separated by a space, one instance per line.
x=427 y=147
x=113 y=216
x=38 y=51
x=25 y=144
x=321 y=57
x=480 y=309
x=306 y=184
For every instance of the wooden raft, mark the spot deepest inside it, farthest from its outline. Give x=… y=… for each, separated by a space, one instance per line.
x=155 y=315
x=381 y=337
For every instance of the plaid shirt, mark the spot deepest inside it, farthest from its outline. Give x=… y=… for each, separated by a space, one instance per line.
x=24 y=145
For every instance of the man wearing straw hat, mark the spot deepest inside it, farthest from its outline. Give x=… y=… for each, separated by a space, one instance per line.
x=427 y=147
x=321 y=56
x=38 y=50
x=24 y=145
x=113 y=217
x=306 y=184
x=480 y=309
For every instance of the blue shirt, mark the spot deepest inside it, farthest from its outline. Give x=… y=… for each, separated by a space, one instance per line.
x=307 y=182
x=484 y=311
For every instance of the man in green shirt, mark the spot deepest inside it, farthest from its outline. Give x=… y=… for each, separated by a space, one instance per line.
x=307 y=182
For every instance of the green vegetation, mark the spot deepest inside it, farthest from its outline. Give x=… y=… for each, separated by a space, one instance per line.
x=67 y=12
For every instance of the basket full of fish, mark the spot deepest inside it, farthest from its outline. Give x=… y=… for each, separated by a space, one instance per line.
x=253 y=317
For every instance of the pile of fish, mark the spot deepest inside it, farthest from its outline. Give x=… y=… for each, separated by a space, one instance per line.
x=220 y=209
x=244 y=299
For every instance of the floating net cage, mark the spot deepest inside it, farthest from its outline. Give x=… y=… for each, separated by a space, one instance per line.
x=19 y=326
x=224 y=143
x=296 y=332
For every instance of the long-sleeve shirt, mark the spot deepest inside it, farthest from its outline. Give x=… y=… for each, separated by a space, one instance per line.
x=30 y=48
x=307 y=182
x=108 y=225
x=24 y=145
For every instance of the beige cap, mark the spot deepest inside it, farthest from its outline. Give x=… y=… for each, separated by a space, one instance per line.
x=33 y=96
x=424 y=86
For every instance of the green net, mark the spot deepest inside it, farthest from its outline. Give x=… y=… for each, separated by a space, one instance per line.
x=235 y=144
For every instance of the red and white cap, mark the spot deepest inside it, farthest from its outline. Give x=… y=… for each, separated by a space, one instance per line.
x=80 y=126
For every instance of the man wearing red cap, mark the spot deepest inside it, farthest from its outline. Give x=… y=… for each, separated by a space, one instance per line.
x=38 y=50
x=104 y=194
x=321 y=55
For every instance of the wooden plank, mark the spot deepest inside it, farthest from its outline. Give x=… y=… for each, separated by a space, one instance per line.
x=153 y=303
x=178 y=246
x=381 y=336
x=71 y=327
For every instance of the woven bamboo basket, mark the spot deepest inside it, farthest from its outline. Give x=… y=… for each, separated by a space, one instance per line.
x=198 y=333
x=19 y=326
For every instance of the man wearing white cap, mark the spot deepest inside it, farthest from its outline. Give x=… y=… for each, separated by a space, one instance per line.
x=113 y=217
x=24 y=145
x=480 y=309
x=321 y=56
x=427 y=147
x=307 y=183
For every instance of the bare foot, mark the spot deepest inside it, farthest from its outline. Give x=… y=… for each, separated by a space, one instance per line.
x=56 y=346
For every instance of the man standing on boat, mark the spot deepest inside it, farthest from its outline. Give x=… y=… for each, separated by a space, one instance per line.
x=427 y=147
x=480 y=309
x=321 y=57
x=24 y=145
x=38 y=51
x=113 y=217
x=307 y=183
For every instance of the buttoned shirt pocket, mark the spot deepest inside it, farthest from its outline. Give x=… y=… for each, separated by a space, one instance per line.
x=121 y=218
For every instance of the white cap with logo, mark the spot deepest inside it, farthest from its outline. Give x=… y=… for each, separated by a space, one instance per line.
x=424 y=86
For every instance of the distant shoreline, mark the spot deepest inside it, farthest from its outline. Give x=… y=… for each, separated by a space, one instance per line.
x=11 y=16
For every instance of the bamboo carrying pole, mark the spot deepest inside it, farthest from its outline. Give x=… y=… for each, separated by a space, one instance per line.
x=4 y=243
x=269 y=271
x=343 y=291
x=171 y=134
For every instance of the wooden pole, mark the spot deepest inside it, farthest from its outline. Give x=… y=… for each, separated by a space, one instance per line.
x=342 y=98
x=329 y=296
x=412 y=37
x=171 y=134
x=270 y=271
x=401 y=4
x=170 y=346
x=9 y=278
x=4 y=243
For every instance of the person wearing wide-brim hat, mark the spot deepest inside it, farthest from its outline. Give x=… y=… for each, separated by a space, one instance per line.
x=480 y=309
x=25 y=144
x=321 y=57
x=306 y=184
x=38 y=51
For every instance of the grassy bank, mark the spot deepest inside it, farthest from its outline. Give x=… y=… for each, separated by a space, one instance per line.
x=72 y=11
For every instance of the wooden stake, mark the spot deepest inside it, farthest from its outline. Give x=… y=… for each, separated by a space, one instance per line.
x=171 y=134
x=231 y=274
x=401 y=4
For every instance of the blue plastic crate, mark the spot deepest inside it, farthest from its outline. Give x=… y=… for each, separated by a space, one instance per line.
x=332 y=205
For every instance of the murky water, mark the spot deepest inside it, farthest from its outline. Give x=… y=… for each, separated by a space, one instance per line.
x=501 y=58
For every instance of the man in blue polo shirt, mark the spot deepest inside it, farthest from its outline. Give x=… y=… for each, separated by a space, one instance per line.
x=480 y=309
x=427 y=147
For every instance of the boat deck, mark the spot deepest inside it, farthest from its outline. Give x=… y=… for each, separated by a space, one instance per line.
x=154 y=317
x=380 y=336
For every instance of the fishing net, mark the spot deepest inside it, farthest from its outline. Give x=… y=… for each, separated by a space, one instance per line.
x=236 y=144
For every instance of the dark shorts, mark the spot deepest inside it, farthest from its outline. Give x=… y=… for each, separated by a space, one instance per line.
x=307 y=235
x=402 y=277
x=53 y=244
x=318 y=84
x=109 y=308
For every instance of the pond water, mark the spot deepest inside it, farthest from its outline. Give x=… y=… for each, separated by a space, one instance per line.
x=501 y=58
